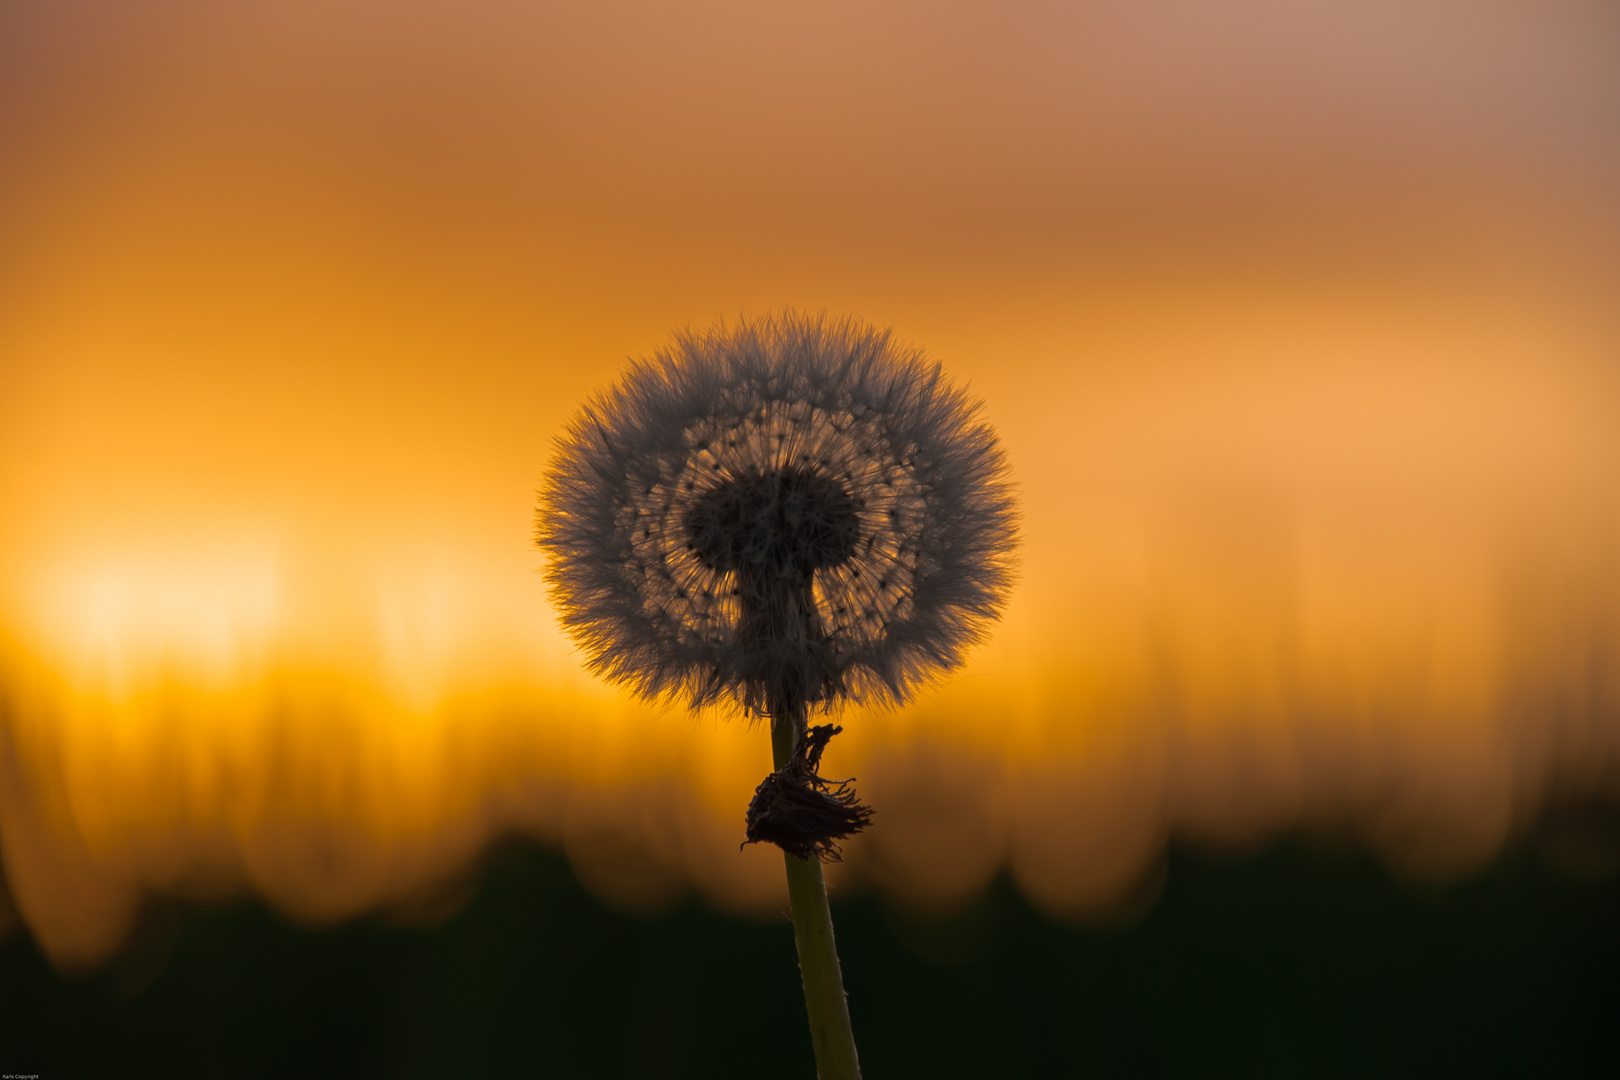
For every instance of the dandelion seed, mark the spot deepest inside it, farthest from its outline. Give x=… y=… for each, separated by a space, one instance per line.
x=789 y=462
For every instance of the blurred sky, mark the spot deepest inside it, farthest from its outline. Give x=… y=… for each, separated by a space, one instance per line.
x=1297 y=321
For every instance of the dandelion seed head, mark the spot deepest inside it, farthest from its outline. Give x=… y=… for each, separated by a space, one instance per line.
x=787 y=511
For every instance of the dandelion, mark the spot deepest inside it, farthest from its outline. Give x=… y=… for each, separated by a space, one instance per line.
x=788 y=514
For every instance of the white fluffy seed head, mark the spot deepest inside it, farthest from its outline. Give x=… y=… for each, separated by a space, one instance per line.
x=788 y=511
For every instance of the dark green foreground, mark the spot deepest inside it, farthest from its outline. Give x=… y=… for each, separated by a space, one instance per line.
x=1291 y=964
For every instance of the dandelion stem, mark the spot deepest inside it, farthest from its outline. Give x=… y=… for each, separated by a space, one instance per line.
x=830 y=1032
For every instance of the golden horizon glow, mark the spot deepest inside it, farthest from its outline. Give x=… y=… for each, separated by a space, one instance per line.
x=1306 y=378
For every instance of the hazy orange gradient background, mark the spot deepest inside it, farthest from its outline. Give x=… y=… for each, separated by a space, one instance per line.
x=1299 y=323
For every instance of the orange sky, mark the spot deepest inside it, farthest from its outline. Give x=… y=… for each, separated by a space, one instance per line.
x=1298 y=326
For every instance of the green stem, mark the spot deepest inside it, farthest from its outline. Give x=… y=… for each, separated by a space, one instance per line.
x=830 y=1032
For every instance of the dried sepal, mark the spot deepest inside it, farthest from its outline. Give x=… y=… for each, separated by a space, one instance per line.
x=800 y=811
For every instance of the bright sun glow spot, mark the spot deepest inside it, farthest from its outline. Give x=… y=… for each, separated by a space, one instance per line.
x=114 y=625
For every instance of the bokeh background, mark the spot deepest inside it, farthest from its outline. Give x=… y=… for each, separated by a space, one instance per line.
x=1295 y=754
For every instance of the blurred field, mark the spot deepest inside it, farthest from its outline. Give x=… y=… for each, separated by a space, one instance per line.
x=1284 y=965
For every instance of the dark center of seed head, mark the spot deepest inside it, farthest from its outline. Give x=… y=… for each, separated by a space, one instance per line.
x=786 y=520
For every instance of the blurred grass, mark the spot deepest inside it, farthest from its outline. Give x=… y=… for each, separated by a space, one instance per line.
x=1294 y=963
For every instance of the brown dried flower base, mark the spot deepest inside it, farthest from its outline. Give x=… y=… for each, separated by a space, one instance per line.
x=802 y=813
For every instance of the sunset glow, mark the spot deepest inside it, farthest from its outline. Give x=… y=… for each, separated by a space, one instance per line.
x=1311 y=399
